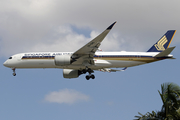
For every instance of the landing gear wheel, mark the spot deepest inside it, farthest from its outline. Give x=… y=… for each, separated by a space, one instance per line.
x=87 y=77
x=92 y=76
x=14 y=74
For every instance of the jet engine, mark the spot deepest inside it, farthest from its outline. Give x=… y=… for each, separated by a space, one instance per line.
x=61 y=60
x=70 y=73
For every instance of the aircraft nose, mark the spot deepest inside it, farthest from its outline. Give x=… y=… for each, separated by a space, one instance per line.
x=5 y=63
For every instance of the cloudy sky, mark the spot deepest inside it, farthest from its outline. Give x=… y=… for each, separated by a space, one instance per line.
x=66 y=25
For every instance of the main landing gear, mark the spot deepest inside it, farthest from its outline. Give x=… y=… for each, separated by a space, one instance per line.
x=90 y=76
x=14 y=71
x=89 y=71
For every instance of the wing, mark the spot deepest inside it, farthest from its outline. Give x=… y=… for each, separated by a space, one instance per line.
x=85 y=54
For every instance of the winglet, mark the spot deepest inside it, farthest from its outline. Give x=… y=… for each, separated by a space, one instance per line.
x=124 y=69
x=110 y=27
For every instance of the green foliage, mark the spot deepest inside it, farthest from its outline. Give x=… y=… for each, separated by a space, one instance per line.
x=148 y=116
x=170 y=96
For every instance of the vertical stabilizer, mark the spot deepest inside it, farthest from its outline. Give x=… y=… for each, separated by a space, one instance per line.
x=164 y=42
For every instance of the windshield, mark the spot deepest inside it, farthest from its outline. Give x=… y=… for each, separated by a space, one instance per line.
x=10 y=57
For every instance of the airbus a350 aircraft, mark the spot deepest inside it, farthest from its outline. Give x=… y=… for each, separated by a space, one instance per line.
x=87 y=59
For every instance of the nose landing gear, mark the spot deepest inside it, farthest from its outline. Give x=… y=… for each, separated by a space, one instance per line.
x=14 y=71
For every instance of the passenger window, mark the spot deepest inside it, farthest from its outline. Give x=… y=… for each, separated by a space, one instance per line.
x=10 y=58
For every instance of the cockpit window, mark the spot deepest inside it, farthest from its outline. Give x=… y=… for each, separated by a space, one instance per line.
x=10 y=57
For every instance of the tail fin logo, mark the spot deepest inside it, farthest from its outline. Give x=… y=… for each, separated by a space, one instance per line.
x=160 y=44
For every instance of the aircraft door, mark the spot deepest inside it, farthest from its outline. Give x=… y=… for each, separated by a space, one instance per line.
x=18 y=57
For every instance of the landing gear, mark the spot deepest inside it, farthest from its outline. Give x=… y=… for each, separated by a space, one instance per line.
x=84 y=71
x=14 y=71
x=89 y=71
x=90 y=76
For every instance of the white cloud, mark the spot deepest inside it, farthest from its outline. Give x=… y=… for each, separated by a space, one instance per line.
x=67 y=96
x=45 y=25
x=65 y=39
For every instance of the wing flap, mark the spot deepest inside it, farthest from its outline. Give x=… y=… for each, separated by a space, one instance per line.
x=111 y=70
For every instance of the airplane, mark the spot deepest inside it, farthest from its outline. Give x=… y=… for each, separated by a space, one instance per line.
x=88 y=59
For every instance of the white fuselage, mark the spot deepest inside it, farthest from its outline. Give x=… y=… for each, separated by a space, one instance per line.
x=101 y=60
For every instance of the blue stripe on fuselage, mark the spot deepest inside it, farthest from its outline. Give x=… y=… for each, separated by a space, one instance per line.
x=96 y=56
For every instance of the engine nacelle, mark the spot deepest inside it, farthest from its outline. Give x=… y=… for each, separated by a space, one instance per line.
x=61 y=60
x=70 y=73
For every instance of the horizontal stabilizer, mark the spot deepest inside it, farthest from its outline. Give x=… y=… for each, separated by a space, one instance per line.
x=165 y=52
